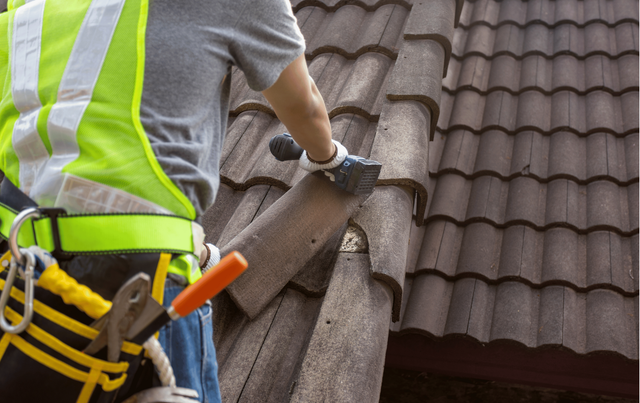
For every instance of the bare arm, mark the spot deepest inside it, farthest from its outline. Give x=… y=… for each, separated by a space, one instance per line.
x=299 y=105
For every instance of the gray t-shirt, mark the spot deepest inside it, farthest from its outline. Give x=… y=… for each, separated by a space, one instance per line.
x=190 y=48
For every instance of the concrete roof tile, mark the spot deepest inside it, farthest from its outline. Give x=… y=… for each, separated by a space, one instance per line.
x=515 y=314
x=351 y=30
x=480 y=250
x=568 y=155
x=345 y=356
x=629 y=112
x=487 y=200
x=272 y=373
x=262 y=241
x=460 y=310
x=501 y=111
x=428 y=305
x=433 y=20
x=386 y=219
x=548 y=76
x=526 y=201
x=563 y=252
x=481 y=313
x=451 y=197
x=606 y=310
x=550 y=321
x=418 y=75
x=459 y=153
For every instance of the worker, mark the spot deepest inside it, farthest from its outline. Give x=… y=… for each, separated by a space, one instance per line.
x=114 y=106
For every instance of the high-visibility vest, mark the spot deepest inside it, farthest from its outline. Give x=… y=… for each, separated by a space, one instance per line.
x=70 y=130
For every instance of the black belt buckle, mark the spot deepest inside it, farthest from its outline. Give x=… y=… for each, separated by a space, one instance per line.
x=53 y=213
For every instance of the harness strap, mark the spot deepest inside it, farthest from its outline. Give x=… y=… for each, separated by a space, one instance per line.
x=99 y=234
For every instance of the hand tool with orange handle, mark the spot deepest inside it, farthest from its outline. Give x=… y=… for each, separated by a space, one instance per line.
x=211 y=283
x=136 y=316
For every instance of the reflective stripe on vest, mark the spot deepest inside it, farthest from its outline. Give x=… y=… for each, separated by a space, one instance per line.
x=25 y=58
x=78 y=131
x=74 y=94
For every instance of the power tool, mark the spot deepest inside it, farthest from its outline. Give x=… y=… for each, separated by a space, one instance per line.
x=356 y=175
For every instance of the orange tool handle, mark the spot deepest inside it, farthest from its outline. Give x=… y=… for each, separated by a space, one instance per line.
x=211 y=283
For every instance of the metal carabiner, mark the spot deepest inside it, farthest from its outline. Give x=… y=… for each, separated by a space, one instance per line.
x=25 y=258
x=28 y=291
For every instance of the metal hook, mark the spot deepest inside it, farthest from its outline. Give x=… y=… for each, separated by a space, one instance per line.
x=30 y=261
x=15 y=229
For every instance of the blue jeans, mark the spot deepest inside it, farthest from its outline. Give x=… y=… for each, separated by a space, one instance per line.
x=188 y=343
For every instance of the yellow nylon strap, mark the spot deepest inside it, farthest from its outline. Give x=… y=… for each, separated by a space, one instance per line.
x=67 y=322
x=157 y=290
x=4 y=343
x=73 y=354
x=63 y=368
x=90 y=385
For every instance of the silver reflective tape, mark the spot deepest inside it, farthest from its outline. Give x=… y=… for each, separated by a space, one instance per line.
x=25 y=62
x=74 y=94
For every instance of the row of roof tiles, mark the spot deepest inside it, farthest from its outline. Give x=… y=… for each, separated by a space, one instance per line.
x=352 y=31
x=563 y=72
x=546 y=158
x=597 y=111
x=551 y=316
x=600 y=205
x=598 y=260
x=594 y=38
x=548 y=12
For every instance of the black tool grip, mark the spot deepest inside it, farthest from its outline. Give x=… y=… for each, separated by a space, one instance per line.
x=284 y=148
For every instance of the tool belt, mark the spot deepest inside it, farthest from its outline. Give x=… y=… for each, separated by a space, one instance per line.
x=45 y=361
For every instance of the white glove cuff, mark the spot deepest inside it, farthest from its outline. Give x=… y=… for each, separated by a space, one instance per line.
x=314 y=166
x=214 y=257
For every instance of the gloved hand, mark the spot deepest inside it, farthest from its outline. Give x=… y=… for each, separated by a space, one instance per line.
x=312 y=166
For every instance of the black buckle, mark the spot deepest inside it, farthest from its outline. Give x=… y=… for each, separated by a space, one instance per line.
x=53 y=213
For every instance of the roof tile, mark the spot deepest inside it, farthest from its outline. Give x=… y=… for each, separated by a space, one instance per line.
x=487 y=199
x=607 y=310
x=459 y=311
x=345 y=355
x=386 y=219
x=562 y=72
x=428 y=304
x=352 y=30
x=417 y=75
x=451 y=197
x=433 y=20
x=550 y=321
x=270 y=267
x=515 y=315
x=563 y=257
x=459 y=153
x=272 y=372
x=526 y=201
x=480 y=250
x=401 y=145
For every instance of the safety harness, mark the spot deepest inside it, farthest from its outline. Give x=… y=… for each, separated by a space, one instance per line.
x=71 y=137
